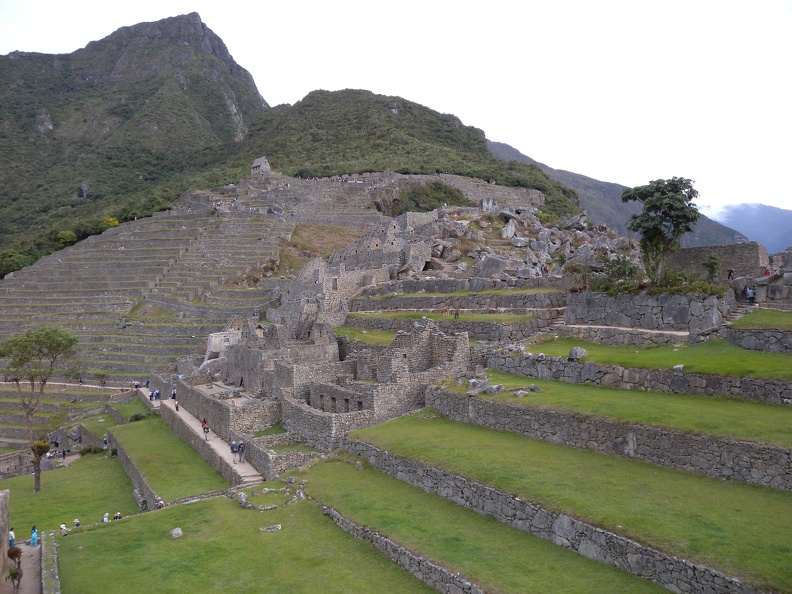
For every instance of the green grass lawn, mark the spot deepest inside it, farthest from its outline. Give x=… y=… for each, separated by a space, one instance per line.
x=764 y=319
x=224 y=549
x=276 y=430
x=466 y=292
x=719 y=417
x=92 y=486
x=493 y=318
x=133 y=407
x=373 y=337
x=492 y=555
x=716 y=357
x=99 y=424
x=741 y=529
x=170 y=466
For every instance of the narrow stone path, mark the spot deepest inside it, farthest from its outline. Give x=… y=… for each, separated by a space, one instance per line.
x=31 y=572
x=250 y=475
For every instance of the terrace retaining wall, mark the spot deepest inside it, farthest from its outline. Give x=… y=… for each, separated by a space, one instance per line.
x=773 y=341
x=638 y=378
x=430 y=573
x=720 y=458
x=595 y=543
x=488 y=331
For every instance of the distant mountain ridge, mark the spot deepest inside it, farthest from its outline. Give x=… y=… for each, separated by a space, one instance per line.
x=602 y=201
x=768 y=225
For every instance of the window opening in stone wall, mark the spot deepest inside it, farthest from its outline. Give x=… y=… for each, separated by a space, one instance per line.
x=332 y=404
x=321 y=402
x=360 y=405
x=335 y=284
x=346 y=405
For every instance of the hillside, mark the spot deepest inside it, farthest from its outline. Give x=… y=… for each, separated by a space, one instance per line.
x=602 y=201
x=118 y=128
x=123 y=127
x=768 y=225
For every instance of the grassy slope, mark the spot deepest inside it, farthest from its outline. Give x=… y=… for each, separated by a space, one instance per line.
x=716 y=357
x=69 y=493
x=170 y=466
x=720 y=417
x=490 y=554
x=223 y=548
x=740 y=529
x=765 y=319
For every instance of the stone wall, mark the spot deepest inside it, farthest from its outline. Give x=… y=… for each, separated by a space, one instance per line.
x=430 y=573
x=638 y=378
x=487 y=331
x=521 y=302
x=15 y=463
x=134 y=474
x=746 y=259
x=200 y=445
x=664 y=312
x=773 y=341
x=620 y=336
x=720 y=458
x=4 y=496
x=670 y=572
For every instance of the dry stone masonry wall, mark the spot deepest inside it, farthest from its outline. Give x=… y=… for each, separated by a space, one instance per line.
x=721 y=458
x=635 y=378
x=670 y=572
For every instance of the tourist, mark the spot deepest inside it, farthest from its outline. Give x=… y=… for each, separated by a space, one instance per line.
x=117 y=516
x=731 y=274
x=76 y=523
x=33 y=537
x=63 y=530
x=11 y=537
x=206 y=431
x=160 y=504
x=751 y=295
x=173 y=394
x=177 y=406
x=234 y=449
x=105 y=518
x=241 y=450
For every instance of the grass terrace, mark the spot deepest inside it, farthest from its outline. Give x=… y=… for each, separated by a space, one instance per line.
x=764 y=319
x=372 y=337
x=224 y=547
x=133 y=407
x=522 y=291
x=740 y=529
x=717 y=417
x=68 y=493
x=492 y=318
x=715 y=357
x=494 y=556
x=170 y=466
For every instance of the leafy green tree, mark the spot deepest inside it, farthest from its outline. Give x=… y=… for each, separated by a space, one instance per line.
x=712 y=265
x=32 y=358
x=11 y=260
x=668 y=213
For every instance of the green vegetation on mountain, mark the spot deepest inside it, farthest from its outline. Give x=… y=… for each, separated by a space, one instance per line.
x=122 y=128
x=356 y=131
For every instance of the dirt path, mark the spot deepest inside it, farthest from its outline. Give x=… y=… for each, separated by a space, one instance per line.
x=31 y=572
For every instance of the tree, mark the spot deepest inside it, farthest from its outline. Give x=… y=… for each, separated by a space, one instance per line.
x=33 y=357
x=712 y=265
x=668 y=213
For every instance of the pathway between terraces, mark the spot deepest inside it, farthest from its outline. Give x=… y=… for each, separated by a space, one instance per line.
x=246 y=470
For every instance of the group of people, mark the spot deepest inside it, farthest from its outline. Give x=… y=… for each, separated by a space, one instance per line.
x=33 y=537
x=238 y=449
x=106 y=517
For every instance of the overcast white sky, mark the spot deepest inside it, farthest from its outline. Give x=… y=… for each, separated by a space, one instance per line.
x=621 y=91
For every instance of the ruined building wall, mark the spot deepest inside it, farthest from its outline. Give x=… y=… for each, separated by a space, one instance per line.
x=747 y=259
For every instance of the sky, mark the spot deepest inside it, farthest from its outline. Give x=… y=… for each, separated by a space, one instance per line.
x=621 y=91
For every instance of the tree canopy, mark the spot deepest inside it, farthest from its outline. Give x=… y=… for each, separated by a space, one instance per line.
x=33 y=358
x=668 y=213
